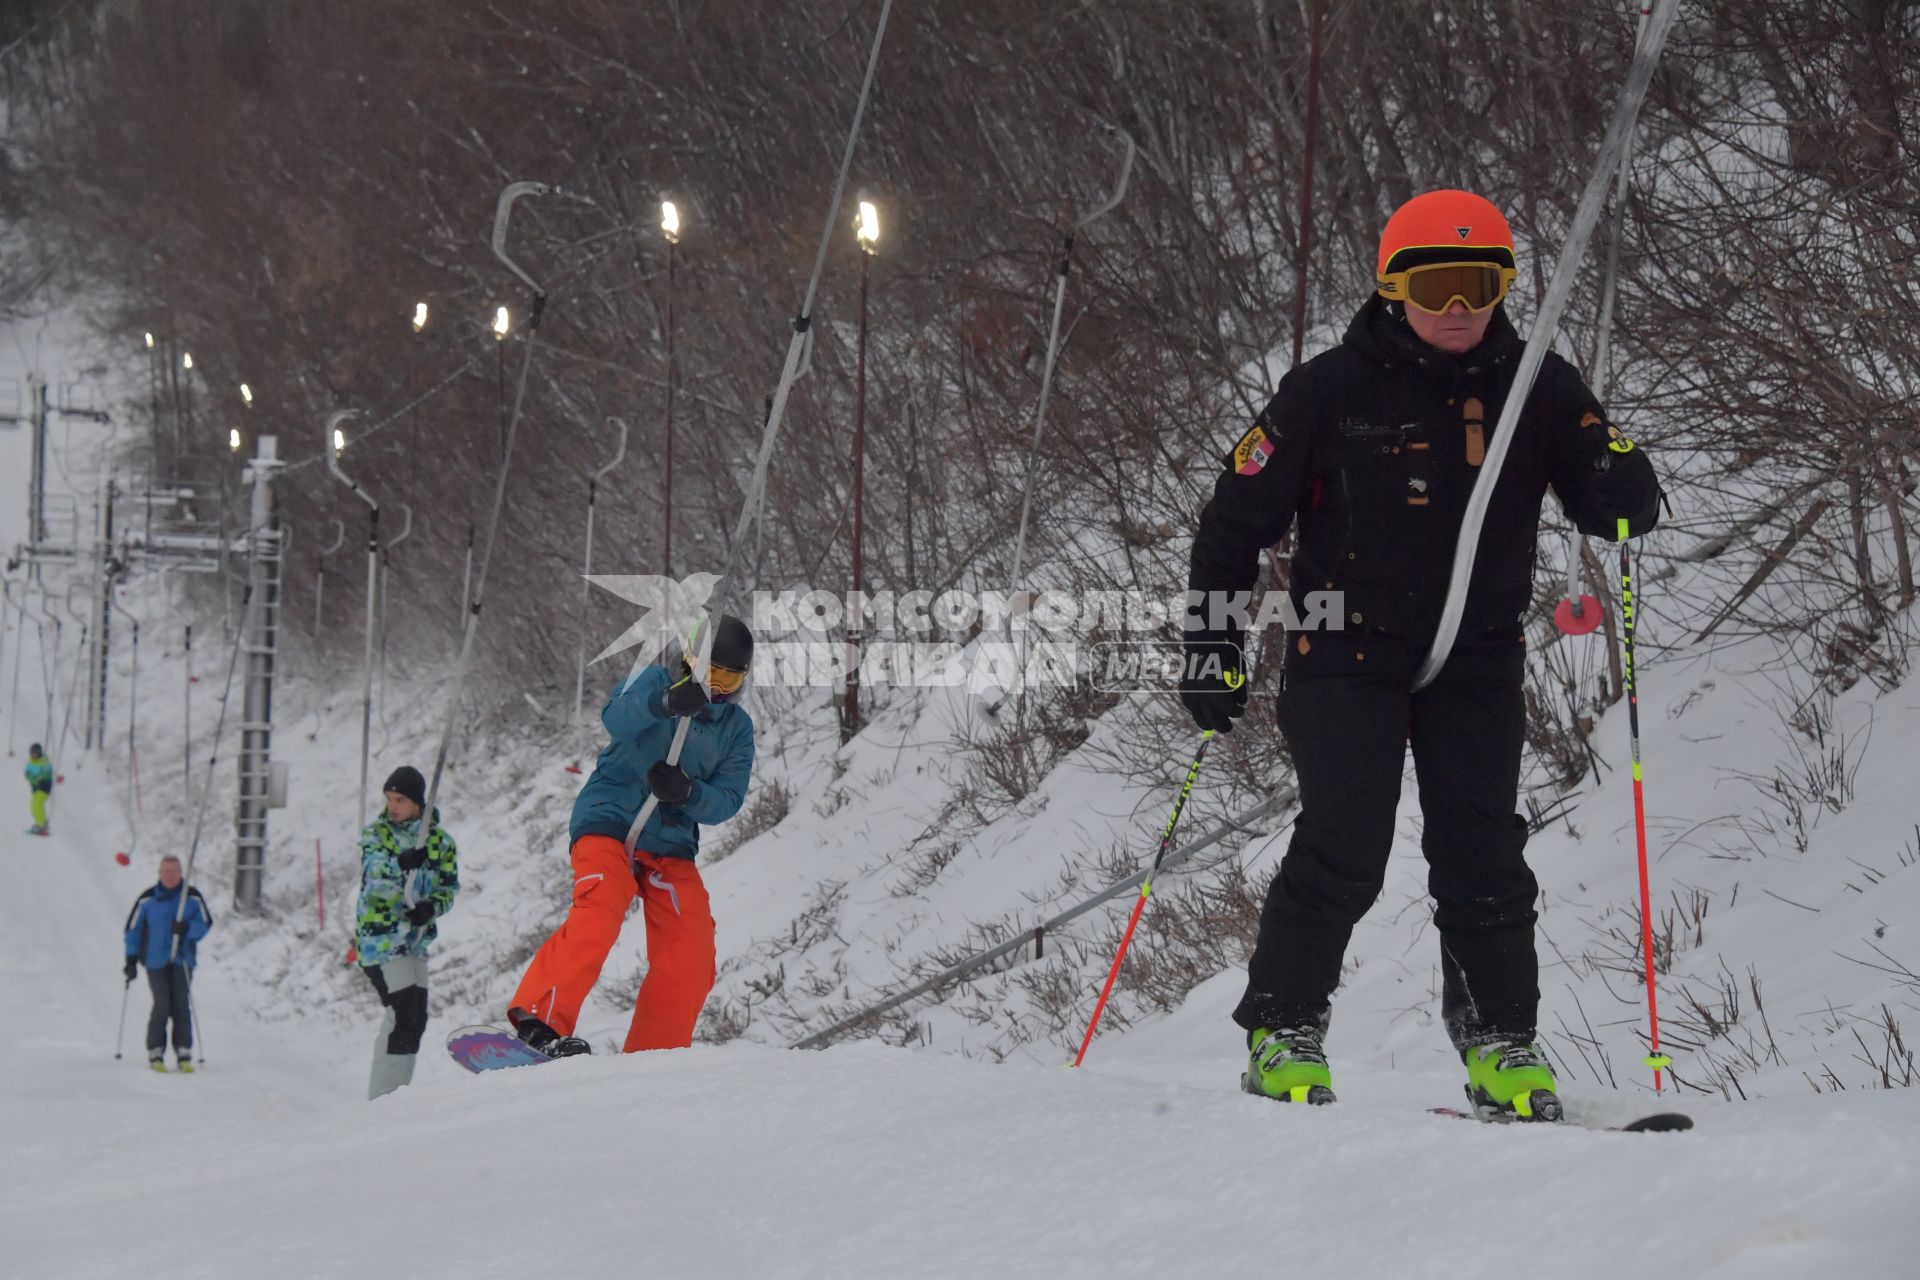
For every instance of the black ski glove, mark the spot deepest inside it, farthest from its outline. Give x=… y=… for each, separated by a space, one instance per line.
x=1213 y=685
x=670 y=782
x=413 y=859
x=179 y=928
x=132 y=970
x=686 y=697
x=420 y=914
x=1624 y=484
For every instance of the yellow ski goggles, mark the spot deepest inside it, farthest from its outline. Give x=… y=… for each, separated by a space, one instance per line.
x=1435 y=286
x=724 y=681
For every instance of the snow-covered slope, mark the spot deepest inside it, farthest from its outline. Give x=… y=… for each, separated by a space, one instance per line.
x=1782 y=833
x=858 y=1161
x=865 y=1161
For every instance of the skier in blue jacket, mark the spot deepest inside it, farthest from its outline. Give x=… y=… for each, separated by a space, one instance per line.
x=707 y=785
x=161 y=935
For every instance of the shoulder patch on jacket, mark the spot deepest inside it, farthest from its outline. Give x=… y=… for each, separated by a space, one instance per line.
x=1251 y=454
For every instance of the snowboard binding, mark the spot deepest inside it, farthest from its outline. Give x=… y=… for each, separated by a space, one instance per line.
x=543 y=1039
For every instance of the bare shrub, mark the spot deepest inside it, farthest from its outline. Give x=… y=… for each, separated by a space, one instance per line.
x=764 y=811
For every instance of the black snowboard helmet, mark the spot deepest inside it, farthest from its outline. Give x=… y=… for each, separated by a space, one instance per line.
x=731 y=656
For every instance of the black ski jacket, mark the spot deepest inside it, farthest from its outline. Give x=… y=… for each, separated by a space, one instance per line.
x=1375 y=445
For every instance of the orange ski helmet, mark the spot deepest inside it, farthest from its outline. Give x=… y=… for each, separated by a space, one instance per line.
x=1442 y=226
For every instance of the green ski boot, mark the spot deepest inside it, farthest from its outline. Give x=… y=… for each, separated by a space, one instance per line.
x=1510 y=1080
x=1288 y=1065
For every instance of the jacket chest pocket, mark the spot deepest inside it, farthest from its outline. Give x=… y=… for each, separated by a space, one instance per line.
x=1386 y=486
x=1383 y=474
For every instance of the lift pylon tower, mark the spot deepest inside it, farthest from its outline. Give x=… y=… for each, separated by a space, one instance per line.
x=262 y=784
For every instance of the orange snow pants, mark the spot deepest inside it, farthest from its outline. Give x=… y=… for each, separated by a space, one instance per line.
x=680 y=952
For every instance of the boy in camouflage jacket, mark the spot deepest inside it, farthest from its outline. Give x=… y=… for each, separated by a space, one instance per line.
x=391 y=938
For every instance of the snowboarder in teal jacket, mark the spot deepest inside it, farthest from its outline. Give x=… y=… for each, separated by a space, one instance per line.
x=706 y=785
x=39 y=773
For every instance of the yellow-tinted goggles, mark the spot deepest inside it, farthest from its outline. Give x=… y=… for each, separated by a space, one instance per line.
x=724 y=681
x=1435 y=286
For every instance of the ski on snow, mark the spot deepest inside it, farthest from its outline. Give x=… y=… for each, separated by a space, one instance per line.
x=1658 y=1122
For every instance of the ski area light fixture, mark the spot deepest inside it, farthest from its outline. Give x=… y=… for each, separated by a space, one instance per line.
x=339 y=442
x=670 y=221
x=246 y=393
x=233 y=439
x=419 y=316
x=186 y=359
x=866 y=226
x=501 y=323
x=149 y=342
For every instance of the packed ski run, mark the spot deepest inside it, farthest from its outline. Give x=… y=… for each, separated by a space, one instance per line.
x=733 y=971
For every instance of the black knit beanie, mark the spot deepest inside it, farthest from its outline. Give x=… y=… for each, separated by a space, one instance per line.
x=408 y=782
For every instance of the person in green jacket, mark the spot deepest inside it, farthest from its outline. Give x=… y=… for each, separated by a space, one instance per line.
x=391 y=933
x=39 y=772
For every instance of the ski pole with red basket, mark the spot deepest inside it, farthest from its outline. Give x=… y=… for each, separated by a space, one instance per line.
x=1655 y=1058
x=1146 y=891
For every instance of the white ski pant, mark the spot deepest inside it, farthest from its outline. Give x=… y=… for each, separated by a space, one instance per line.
x=402 y=984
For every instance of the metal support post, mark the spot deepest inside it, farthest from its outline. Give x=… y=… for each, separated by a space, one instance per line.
x=260 y=644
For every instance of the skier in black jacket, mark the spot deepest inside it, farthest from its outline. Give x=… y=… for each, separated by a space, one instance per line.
x=1372 y=449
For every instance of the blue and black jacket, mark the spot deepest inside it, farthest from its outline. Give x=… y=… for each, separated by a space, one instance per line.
x=150 y=925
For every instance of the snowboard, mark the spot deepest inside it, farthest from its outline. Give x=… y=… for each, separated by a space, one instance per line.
x=484 y=1047
x=1659 y=1122
x=487 y=1048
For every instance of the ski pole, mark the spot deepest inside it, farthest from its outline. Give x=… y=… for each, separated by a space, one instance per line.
x=1655 y=1058
x=1146 y=891
x=193 y=1019
x=121 y=1034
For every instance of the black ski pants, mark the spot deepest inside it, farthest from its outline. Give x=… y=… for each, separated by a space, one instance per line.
x=402 y=986
x=1348 y=715
x=172 y=989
